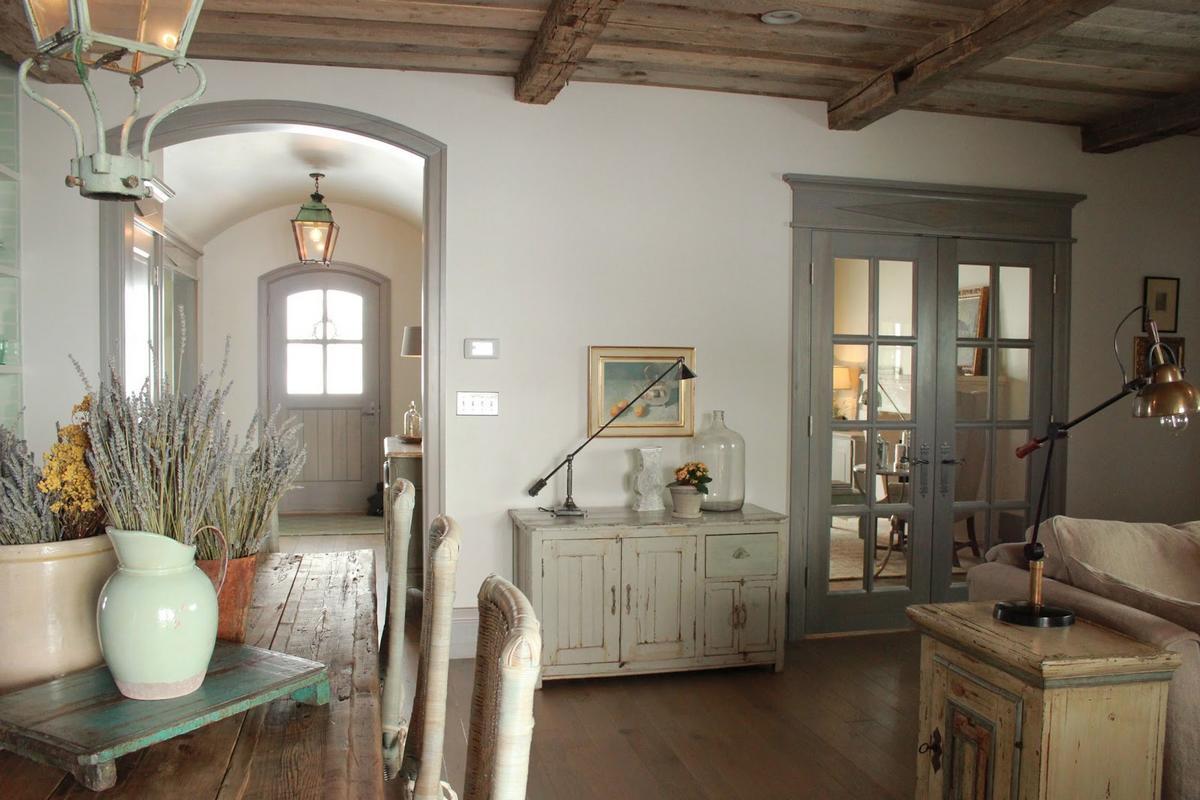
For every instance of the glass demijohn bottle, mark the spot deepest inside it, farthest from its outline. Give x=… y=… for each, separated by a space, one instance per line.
x=724 y=452
x=412 y=422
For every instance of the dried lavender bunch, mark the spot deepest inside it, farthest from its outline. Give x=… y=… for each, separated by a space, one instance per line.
x=265 y=467
x=25 y=515
x=158 y=457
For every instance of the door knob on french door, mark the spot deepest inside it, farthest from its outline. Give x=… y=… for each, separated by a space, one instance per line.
x=922 y=462
x=370 y=410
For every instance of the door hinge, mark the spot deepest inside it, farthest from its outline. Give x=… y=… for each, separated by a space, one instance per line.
x=543 y=567
x=806 y=576
x=810 y=425
x=1054 y=283
x=811 y=270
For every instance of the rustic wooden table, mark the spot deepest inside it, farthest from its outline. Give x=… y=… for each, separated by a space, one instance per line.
x=314 y=605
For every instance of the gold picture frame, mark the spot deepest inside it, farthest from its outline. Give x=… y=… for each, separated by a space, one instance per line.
x=973 y=324
x=618 y=374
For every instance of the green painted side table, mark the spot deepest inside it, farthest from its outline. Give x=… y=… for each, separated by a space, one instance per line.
x=81 y=723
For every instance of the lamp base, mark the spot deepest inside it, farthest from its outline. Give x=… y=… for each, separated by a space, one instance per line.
x=1032 y=616
x=571 y=510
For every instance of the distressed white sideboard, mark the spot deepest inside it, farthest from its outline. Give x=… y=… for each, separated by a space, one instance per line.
x=622 y=592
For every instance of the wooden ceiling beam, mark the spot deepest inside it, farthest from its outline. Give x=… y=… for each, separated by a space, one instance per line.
x=1169 y=117
x=1003 y=29
x=567 y=33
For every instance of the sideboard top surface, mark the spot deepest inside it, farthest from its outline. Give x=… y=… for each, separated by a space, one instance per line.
x=621 y=517
x=1047 y=656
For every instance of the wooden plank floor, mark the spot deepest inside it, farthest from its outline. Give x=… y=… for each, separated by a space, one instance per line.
x=839 y=722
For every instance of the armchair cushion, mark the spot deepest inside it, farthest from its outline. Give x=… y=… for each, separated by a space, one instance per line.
x=1184 y=613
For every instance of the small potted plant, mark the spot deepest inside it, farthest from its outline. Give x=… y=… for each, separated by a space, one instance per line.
x=691 y=481
x=263 y=469
x=52 y=562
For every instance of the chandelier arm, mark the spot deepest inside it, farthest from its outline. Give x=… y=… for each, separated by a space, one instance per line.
x=135 y=83
x=81 y=67
x=23 y=79
x=183 y=102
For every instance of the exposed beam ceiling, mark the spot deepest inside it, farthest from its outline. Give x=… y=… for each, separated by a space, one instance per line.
x=1175 y=115
x=565 y=38
x=1005 y=28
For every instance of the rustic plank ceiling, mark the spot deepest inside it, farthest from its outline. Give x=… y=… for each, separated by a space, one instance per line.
x=1126 y=70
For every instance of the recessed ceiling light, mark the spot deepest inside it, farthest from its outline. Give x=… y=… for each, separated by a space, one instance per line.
x=784 y=16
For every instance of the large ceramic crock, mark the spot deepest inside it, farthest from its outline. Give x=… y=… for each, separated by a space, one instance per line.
x=48 y=598
x=157 y=617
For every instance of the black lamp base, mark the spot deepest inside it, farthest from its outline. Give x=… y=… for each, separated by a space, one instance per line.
x=1032 y=616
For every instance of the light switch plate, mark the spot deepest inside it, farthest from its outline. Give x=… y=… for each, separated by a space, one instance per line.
x=481 y=348
x=478 y=404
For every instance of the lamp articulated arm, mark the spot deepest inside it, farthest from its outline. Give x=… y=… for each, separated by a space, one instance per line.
x=541 y=482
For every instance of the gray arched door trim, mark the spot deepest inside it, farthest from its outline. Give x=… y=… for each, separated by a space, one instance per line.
x=241 y=116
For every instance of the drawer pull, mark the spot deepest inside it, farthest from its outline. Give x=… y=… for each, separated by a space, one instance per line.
x=614 y=600
x=628 y=591
x=934 y=748
x=741 y=553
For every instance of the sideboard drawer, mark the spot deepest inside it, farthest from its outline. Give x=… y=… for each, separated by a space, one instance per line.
x=737 y=554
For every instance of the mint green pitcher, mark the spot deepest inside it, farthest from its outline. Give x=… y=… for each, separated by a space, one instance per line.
x=157 y=616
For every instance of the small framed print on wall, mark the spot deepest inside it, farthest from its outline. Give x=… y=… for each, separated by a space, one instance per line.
x=617 y=374
x=1161 y=297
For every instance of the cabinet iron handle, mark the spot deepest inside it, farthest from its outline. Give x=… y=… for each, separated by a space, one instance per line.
x=934 y=748
x=614 y=600
x=628 y=591
x=741 y=553
x=742 y=621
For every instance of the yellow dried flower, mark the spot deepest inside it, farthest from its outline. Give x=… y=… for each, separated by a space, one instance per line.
x=68 y=480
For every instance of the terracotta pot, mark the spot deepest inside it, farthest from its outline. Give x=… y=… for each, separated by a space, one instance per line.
x=233 y=603
x=686 y=500
x=48 y=595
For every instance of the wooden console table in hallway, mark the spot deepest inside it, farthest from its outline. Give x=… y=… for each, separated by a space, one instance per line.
x=319 y=606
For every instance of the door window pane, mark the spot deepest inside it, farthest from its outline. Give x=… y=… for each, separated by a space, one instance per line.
x=894 y=390
x=139 y=311
x=972 y=360
x=851 y=372
x=974 y=290
x=305 y=313
x=304 y=368
x=1012 y=383
x=851 y=296
x=1013 y=302
x=895 y=298
x=971 y=473
x=1011 y=471
x=972 y=399
x=343 y=364
x=970 y=542
x=344 y=315
x=849 y=473
x=891 y=551
x=847 y=537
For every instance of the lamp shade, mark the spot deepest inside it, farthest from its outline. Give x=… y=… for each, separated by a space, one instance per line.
x=313 y=226
x=841 y=378
x=410 y=345
x=1166 y=395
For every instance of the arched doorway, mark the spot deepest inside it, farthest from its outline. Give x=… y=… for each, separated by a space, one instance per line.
x=238 y=116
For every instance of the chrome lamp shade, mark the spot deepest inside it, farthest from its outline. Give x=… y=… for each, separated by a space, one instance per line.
x=315 y=231
x=131 y=38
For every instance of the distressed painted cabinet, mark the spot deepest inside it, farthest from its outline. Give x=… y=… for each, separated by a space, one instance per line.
x=1014 y=713
x=622 y=592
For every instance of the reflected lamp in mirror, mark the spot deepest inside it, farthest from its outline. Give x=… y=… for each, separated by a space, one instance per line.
x=842 y=379
x=845 y=380
x=313 y=226
x=410 y=345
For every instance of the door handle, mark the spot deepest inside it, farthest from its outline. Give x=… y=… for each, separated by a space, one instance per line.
x=742 y=616
x=922 y=462
x=947 y=461
x=614 y=600
x=628 y=591
x=370 y=410
x=934 y=748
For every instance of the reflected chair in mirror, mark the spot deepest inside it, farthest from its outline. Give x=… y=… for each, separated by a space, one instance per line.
x=972 y=453
x=507 y=665
x=399 y=501
x=421 y=770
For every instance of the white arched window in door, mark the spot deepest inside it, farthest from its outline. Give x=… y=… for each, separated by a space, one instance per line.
x=324 y=342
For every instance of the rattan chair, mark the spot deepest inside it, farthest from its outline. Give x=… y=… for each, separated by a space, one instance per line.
x=422 y=766
x=508 y=656
x=398 y=511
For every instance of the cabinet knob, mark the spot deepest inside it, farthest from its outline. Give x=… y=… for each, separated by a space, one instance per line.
x=934 y=748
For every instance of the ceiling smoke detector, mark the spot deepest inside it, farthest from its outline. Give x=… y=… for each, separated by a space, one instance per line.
x=784 y=16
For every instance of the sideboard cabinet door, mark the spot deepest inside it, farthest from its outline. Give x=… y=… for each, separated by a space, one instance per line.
x=758 y=617
x=658 y=599
x=721 y=618
x=581 y=608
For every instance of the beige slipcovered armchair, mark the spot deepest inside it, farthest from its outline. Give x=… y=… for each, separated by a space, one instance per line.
x=1139 y=579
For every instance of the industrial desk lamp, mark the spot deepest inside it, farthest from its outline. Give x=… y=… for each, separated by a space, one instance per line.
x=1161 y=393
x=568 y=508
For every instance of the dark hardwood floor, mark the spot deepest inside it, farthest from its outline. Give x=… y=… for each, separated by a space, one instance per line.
x=839 y=722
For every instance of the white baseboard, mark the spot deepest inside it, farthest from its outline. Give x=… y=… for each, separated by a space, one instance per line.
x=464 y=628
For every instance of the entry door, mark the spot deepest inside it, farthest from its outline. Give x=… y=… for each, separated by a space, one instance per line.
x=873 y=377
x=994 y=390
x=324 y=368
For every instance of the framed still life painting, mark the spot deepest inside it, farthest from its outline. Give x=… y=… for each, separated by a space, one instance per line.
x=972 y=324
x=617 y=374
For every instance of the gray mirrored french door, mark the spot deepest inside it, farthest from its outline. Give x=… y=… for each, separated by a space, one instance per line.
x=930 y=365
